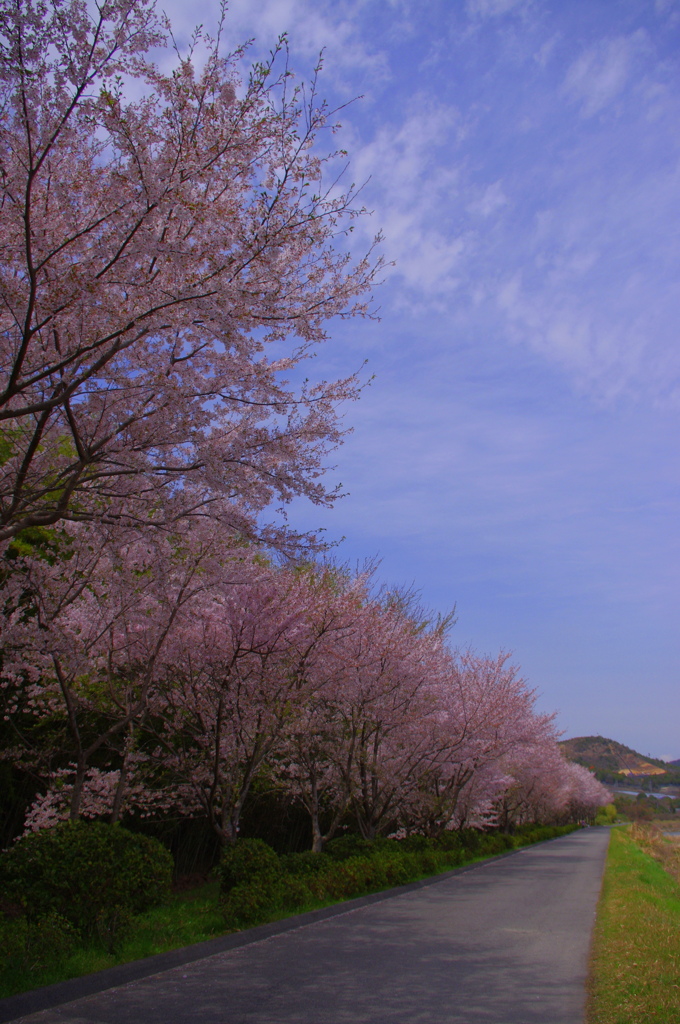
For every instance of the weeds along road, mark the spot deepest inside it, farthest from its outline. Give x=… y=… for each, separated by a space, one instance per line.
x=502 y=942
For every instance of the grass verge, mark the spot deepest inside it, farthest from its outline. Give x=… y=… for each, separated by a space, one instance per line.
x=635 y=964
x=188 y=917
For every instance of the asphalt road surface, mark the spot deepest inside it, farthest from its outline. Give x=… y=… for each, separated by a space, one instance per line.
x=502 y=942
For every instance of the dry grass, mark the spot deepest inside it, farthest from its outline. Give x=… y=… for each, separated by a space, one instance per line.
x=635 y=966
x=664 y=849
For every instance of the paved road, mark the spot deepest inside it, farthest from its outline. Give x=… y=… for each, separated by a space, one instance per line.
x=503 y=942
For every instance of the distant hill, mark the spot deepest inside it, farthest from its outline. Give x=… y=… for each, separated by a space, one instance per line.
x=612 y=761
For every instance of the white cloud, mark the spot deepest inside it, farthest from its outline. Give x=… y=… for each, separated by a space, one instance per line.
x=545 y=51
x=414 y=191
x=491 y=199
x=311 y=28
x=496 y=8
x=602 y=71
x=608 y=352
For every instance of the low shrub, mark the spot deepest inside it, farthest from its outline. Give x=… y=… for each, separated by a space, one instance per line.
x=30 y=946
x=257 y=885
x=94 y=875
x=494 y=843
x=433 y=860
x=304 y=864
x=470 y=839
x=416 y=843
x=399 y=867
x=345 y=847
x=260 y=899
x=527 y=834
x=246 y=860
x=449 y=840
x=350 y=877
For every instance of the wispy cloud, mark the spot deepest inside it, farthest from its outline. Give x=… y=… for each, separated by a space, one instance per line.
x=496 y=8
x=603 y=71
x=311 y=28
x=414 y=189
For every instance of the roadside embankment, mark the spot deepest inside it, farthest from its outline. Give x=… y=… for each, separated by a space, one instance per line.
x=635 y=964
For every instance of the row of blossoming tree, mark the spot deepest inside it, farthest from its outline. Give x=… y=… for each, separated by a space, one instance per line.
x=170 y=256
x=168 y=670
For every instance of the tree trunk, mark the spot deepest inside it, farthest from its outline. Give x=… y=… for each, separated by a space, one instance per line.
x=119 y=794
x=77 y=793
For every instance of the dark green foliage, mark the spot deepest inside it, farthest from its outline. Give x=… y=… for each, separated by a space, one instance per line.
x=94 y=875
x=495 y=842
x=260 y=899
x=431 y=860
x=450 y=841
x=247 y=860
x=255 y=884
x=526 y=834
x=470 y=839
x=415 y=843
x=304 y=864
x=30 y=946
x=353 y=846
x=251 y=902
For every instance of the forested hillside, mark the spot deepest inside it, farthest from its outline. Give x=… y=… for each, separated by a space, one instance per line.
x=613 y=762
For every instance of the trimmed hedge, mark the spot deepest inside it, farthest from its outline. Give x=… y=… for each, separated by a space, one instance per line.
x=247 y=860
x=257 y=886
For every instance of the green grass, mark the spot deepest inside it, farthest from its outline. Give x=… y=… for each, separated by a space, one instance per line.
x=635 y=964
x=189 y=917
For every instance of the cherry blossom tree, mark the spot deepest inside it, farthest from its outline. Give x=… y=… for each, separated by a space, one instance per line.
x=82 y=645
x=167 y=669
x=314 y=760
x=483 y=711
x=161 y=232
x=585 y=795
x=546 y=788
x=390 y=717
x=238 y=680
x=537 y=785
x=367 y=732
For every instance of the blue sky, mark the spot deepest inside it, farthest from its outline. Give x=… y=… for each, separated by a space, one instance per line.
x=517 y=451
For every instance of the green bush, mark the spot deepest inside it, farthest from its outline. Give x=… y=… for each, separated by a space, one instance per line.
x=304 y=864
x=94 y=875
x=30 y=946
x=398 y=868
x=350 y=877
x=470 y=839
x=251 y=902
x=260 y=899
x=354 y=846
x=526 y=834
x=416 y=843
x=451 y=842
x=433 y=860
x=606 y=815
x=246 y=860
x=493 y=843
